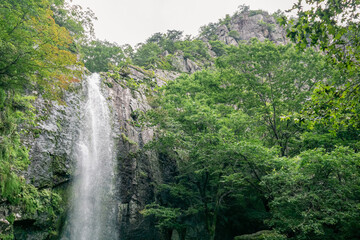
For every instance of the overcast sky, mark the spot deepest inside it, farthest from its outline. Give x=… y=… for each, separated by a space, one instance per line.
x=133 y=21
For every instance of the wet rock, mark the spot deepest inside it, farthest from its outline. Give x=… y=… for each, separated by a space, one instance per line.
x=51 y=151
x=52 y=162
x=137 y=169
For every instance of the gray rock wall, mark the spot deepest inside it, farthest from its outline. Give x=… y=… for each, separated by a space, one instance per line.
x=137 y=169
x=246 y=26
x=51 y=151
x=51 y=168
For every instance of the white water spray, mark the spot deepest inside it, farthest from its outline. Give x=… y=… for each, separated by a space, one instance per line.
x=92 y=216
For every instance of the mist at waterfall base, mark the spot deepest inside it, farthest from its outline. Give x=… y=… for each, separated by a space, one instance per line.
x=92 y=215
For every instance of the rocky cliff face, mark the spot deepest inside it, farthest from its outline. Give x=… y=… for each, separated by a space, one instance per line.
x=246 y=26
x=51 y=167
x=52 y=149
x=185 y=65
x=138 y=169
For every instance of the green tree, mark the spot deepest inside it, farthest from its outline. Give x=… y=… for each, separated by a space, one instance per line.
x=267 y=82
x=99 y=56
x=34 y=49
x=147 y=54
x=156 y=38
x=174 y=35
x=167 y=42
x=78 y=21
x=220 y=126
x=194 y=49
x=315 y=195
x=218 y=47
x=333 y=27
x=209 y=31
x=128 y=51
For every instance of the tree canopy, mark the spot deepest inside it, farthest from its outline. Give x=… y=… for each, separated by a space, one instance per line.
x=100 y=56
x=242 y=157
x=333 y=27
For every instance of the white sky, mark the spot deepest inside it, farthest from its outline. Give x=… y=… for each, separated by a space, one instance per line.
x=133 y=21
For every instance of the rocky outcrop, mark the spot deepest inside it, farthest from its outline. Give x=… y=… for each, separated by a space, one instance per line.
x=250 y=24
x=182 y=64
x=223 y=34
x=261 y=26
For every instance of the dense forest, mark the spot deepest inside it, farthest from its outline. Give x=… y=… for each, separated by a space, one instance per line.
x=265 y=136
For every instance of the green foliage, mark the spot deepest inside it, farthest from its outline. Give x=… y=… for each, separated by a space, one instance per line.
x=174 y=35
x=334 y=104
x=168 y=216
x=6 y=236
x=243 y=159
x=78 y=21
x=316 y=195
x=234 y=34
x=243 y=9
x=35 y=54
x=218 y=47
x=34 y=48
x=126 y=139
x=256 y=12
x=333 y=27
x=210 y=141
x=167 y=42
x=98 y=56
x=147 y=54
x=226 y=21
x=195 y=49
x=278 y=15
x=13 y=155
x=40 y=201
x=321 y=137
x=262 y=235
x=159 y=49
x=209 y=31
x=266 y=81
x=128 y=51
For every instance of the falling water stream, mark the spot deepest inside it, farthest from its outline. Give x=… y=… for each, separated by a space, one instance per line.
x=92 y=215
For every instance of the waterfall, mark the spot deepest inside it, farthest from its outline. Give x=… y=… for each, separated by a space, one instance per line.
x=93 y=212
